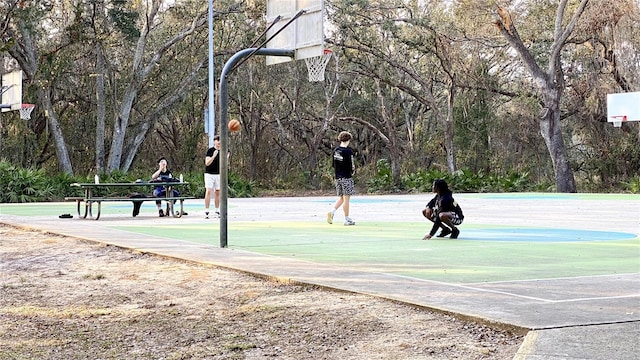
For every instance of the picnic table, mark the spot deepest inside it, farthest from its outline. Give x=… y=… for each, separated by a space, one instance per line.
x=92 y=196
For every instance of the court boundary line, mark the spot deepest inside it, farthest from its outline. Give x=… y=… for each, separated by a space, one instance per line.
x=479 y=289
x=559 y=278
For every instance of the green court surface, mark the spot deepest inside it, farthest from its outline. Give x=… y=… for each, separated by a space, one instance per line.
x=55 y=209
x=482 y=254
x=505 y=237
x=41 y=209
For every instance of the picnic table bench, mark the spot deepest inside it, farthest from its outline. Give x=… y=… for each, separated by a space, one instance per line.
x=90 y=198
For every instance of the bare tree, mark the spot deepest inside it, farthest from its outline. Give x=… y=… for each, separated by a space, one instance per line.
x=140 y=72
x=27 y=53
x=551 y=83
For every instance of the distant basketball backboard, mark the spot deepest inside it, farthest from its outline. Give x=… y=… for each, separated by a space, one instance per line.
x=11 y=89
x=305 y=35
x=623 y=107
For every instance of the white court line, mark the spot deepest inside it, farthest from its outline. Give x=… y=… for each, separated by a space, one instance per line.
x=471 y=288
x=559 y=278
x=523 y=296
x=597 y=298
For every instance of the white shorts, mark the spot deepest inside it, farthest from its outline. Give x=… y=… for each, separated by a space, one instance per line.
x=212 y=181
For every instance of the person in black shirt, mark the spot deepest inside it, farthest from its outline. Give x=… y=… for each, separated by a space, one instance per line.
x=344 y=169
x=443 y=210
x=212 y=177
x=163 y=174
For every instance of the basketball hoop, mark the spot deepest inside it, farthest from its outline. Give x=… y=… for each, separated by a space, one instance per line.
x=618 y=120
x=317 y=64
x=25 y=111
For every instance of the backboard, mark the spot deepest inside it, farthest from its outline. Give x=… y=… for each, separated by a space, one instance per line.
x=11 y=91
x=623 y=107
x=305 y=35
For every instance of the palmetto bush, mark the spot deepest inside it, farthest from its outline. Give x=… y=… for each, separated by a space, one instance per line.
x=460 y=181
x=633 y=185
x=18 y=185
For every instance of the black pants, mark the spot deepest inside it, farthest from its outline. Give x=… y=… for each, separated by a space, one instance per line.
x=137 y=204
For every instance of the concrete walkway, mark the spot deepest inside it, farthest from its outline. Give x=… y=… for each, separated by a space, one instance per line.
x=568 y=309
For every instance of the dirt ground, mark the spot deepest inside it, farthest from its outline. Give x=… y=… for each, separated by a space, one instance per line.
x=64 y=298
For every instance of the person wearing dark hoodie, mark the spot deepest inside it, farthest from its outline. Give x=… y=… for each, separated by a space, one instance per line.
x=444 y=211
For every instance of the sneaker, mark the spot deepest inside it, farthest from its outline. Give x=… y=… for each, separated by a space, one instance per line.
x=160 y=213
x=445 y=232
x=206 y=214
x=349 y=221
x=454 y=233
x=330 y=217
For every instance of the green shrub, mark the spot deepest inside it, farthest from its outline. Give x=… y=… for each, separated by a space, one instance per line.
x=195 y=186
x=633 y=185
x=117 y=177
x=61 y=185
x=238 y=187
x=460 y=181
x=23 y=185
x=422 y=181
x=383 y=180
x=241 y=188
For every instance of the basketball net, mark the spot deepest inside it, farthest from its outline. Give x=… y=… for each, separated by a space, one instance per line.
x=317 y=64
x=618 y=120
x=25 y=111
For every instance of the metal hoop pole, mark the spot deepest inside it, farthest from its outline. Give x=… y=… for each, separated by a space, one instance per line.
x=224 y=130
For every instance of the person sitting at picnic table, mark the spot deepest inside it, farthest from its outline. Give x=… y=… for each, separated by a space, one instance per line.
x=163 y=174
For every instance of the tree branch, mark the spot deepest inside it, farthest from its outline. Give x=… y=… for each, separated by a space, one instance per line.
x=508 y=30
x=367 y=125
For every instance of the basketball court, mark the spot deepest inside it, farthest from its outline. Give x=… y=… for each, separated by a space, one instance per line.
x=563 y=268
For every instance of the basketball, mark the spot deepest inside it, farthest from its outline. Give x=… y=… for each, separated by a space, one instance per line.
x=234 y=125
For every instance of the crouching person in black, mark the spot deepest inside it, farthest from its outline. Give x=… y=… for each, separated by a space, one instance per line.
x=443 y=211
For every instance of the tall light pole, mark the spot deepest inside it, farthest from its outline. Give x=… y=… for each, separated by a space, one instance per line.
x=211 y=118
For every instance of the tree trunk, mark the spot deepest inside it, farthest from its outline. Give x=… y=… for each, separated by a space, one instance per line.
x=552 y=135
x=392 y=140
x=137 y=141
x=448 y=131
x=120 y=129
x=551 y=83
x=64 y=161
x=314 y=147
x=179 y=93
x=26 y=55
